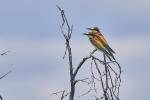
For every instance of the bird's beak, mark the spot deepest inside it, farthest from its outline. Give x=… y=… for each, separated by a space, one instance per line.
x=89 y=28
x=85 y=34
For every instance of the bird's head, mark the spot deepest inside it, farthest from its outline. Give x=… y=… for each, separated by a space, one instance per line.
x=89 y=34
x=94 y=29
x=92 y=32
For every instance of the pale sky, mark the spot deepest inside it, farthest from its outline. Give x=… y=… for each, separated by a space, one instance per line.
x=30 y=29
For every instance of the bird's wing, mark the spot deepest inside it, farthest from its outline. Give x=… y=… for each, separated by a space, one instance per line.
x=109 y=48
x=106 y=48
x=98 y=44
x=104 y=42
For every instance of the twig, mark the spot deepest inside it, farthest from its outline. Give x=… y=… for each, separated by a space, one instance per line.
x=102 y=82
x=61 y=93
x=83 y=60
x=1 y=97
x=82 y=80
x=5 y=74
x=4 y=53
x=3 y=77
x=107 y=76
x=68 y=50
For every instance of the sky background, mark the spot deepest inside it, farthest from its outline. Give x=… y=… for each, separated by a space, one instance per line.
x=30 y=29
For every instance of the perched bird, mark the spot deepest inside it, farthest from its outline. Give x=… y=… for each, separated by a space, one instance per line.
x=99 y=42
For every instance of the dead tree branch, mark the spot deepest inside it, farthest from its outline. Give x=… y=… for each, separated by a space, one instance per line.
x=82 y=62
x=60 y=94
x=110 y=79
x=2 y=78
x=4 y=53
x=67 y=36
x=5 y=74
x=1 y=97
x=105 y=79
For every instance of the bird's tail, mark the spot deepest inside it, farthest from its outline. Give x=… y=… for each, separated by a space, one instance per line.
x=106 y=53
x=110 y=53
x=109 y=57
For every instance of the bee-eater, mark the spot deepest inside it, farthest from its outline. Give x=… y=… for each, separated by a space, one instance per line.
x=99 y=42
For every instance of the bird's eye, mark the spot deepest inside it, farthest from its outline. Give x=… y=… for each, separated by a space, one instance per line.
x=90 y=38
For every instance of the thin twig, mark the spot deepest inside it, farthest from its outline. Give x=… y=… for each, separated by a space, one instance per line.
x=4 y=53
x=106 y=77
x=106 y=74
x=61 y=93
x=5 y=74
x=102 y=82
x=83 y=60
x=1 y=97
x=68 y=50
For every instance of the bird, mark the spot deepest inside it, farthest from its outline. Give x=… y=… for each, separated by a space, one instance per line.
x=100 y=43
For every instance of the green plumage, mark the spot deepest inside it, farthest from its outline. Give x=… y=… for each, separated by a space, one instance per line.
x=110 y=51
x=106 y=53
x=98 y=40
x=108 y=47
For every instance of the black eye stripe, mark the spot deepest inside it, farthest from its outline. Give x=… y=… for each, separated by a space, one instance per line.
x=96 y=29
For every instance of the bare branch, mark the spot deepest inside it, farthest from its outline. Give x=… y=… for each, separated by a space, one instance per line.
x=4 y=53
x=1 y=97
x=81 y=80
x=96 y=98
x=83 y=60
x=106 y=78
x=104 y=73
x=101 y=78
x=60 y=94
x=68 y=50
x=112 y=83
x=5 y=74
x=87 y=92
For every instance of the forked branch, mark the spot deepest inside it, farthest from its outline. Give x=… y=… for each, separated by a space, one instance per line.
x=105 y=73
